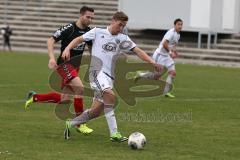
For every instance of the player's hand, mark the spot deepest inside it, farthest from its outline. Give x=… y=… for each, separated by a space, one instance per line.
x=52 y=64
x=66 y=54
x=174 y=55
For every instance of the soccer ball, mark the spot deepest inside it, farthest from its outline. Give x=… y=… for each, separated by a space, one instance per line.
x=137 y=140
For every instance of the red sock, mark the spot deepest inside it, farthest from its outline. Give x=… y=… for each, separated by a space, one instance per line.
x=78 y=106
x=52 y=97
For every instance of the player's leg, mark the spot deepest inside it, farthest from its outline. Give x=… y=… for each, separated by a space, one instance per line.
x=78 y=108
x=147 y=75
x=104 y=98
x=8 y=44
x=52 y=97
x=78 y=105
x=103 y=85
x=109 y=102
x=4 y=43
x=78 y=101
x=108 y=106
x=73 y=86
x=170 y=79
x=95 y=111
x=152 y=75
x=33 y=97
x=107 y=98
x=77 y=88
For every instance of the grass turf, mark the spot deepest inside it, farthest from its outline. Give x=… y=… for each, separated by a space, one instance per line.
x=202 y=122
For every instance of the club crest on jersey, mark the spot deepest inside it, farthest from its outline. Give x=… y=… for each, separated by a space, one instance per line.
x=110 y=47
x=124 y=45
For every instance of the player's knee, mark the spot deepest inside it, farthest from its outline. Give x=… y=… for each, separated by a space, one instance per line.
x=79 y=91
x=109 y=97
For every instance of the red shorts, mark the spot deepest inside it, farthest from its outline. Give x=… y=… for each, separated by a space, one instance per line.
x=67 y=72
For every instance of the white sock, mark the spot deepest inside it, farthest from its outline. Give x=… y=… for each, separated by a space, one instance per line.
x=169 y=83
x=111 y=119
x=83 y=118
x=147 y=75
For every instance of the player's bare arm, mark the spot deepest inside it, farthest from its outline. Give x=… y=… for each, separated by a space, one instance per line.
x=166 y=46
x=74 y=43
x=174 y=48
x=143 y=55
x=52 y=62
x=173 y=52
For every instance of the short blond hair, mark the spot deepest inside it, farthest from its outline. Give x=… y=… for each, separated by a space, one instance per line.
x=120 y=16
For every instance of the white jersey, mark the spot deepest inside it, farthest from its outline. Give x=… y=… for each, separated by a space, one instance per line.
x=173 y=37
x=106 y=47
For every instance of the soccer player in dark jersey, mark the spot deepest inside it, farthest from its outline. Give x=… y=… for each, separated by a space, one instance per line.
x=67 y=70
x=7 y=32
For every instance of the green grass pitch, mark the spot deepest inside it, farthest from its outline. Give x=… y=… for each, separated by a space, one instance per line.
x=201 y=123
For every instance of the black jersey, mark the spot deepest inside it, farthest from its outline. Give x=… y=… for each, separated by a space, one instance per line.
x=66 y=34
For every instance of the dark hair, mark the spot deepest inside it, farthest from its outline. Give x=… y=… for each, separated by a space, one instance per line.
x=120 y=16
x=86 y=8
x=177 y=20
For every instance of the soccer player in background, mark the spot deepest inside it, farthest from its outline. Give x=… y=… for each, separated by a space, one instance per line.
x=107 y=46
x=165 y=55
x=66 y=34
x=7 y=32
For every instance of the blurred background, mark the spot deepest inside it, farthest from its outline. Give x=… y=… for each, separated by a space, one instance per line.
x=210 y=34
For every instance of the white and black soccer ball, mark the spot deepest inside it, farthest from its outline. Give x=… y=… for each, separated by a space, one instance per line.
x=137 y=140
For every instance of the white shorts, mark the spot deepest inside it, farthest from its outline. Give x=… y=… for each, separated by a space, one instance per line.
x=164 y=60
x=100 y=82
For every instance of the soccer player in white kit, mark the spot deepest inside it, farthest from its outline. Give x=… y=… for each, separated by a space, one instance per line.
x=165 y=55
x=107 y=45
